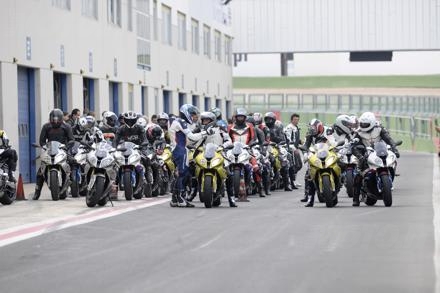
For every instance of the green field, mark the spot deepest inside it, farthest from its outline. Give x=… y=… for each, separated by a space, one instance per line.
x=393 y=81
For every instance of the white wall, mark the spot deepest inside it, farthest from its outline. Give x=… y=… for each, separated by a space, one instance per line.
x=313 y=64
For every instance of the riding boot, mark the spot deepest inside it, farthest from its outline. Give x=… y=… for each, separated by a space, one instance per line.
x=286 y=183
x=38 y=187
x=311 y=201
x=266 y=185
x=181 y=201
x=292 y=176
x=306 y=191
x=173 y=202
x=231 y=200
x=11 y=177
x=356 y=194
x=260 y=189
x=194 y=189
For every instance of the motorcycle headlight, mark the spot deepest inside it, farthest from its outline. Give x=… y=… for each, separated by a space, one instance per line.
x=92 y=161
x=322 y=154
x=106 y=162
x=216 y=162
x=134 y=159
x=60 y=157
x=46 y=159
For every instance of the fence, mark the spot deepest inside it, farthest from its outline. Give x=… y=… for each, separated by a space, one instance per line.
x=410 y=118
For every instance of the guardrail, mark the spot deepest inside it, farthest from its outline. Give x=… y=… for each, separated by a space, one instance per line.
x=410 y=118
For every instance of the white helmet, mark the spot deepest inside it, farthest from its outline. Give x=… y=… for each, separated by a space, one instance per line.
x=367 y=121
x=142 y=122
x=345 y=123
x=86 y=122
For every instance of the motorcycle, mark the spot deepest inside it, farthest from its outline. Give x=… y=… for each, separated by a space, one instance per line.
x=349 y=164
x=260 y=173
x=280 y=164
x=101 y=174
x=56 y=170
x=8 y=189
x=131 y=170
x=210 y=174
x=237 y=161
x=377 y=180
x=168 y=167
x=325 y=172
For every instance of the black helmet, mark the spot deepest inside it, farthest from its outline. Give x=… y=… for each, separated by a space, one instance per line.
x=155 y=132
x=56 y=117
x=269 y=119
x=130 y=118
x=217 y=112
x=186 y=112
x=109 y=119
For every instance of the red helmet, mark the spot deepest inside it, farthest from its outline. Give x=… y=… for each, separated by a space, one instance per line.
x=316 y=127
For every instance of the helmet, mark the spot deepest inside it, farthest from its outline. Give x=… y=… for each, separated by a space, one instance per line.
x=269 y=119
x=367 y=121
x=217 y=112
x=208 y=116
x=121 y=119
x=345 y=123
x=86 y=123
x=186 y=112
x=154 y=133
x=316 y=127
x=162 y=119
x=250 y=119
x=109 y=119
x=56 y=117
x=130 y=118
x=258 y=118
x=222 y=124
x=240 y=116
x=142 y=122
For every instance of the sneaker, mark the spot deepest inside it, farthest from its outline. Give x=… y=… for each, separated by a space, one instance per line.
x=296 y=184
x=356 y=203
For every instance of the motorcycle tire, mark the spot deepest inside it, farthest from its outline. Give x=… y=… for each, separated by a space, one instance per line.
x=208 y=192
x=217 y=202
x=54 y=185
x=103 y=201
x=93 y=195
x=74 y=186
x=236 y=182
x=63 y=195
x=327 y=191
x=349 y=183
x=386 y=190
x=8 y=197
x=128 y=188
x=369 y=201
x=147 y=189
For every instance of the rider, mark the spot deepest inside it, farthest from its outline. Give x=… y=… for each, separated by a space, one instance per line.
x=108 y=125
x=54 y=130
x=163 y=121
x=9 y=154
x=86 y=125
x=130 y=131
x=179 y=133
x=277 y=136
x=344 y=128
x=315 y=134
x=369 y=132
x=292 y=132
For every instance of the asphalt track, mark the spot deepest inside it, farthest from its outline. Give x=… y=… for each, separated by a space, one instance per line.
x=271 y=244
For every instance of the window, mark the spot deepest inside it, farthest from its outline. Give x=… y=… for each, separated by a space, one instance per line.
x=195 y=36
x=166 y=25
x=90 y=8
x=130 y=15
x=181 y=19
x=63 y=4
x=228 y=50
x=143 y=34
x=207 y=41
x=155 y=19
x=114 y=12
x=218 y=46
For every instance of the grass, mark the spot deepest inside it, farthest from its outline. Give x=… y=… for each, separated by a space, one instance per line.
x=393 y=81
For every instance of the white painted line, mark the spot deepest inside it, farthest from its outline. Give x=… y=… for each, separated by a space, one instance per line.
x=208 y=243
x=436 y=206
x=16 y=234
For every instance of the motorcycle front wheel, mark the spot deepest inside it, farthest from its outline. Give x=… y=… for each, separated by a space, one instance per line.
x=386 y=190
x=93 y=195
x=208 y=192
x=54 y=186
x=128 y=188
x=327 y=191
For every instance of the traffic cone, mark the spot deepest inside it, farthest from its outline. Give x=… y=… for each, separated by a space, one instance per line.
x=20 y=189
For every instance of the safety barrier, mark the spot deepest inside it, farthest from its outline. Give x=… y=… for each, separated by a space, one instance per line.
x=411 y=118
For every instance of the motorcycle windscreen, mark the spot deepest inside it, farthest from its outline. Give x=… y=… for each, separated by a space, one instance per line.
x=237 y=149
x=381 y=149
x=321 y=150
x=53 y=147
x=210 y=150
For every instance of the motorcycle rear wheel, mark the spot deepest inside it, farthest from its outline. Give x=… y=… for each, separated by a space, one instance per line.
x=74 y=186
x=8 y=197
x=349 y=183
x=93 y=195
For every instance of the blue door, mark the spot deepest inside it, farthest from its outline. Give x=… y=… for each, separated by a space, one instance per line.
x=182 y=99
x=166 y=101
x=60 y=91
x=114 y=97
x=88 y=94
x=26 y=123
x=207 y=103
x=144 y=96
x=195 y=100
x=218 y=103
x=228 y=110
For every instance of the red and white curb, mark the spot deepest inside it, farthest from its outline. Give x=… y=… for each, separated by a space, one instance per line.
x=16 y=234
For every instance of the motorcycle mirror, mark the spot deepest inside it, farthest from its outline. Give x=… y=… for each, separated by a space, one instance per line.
x=35 y=145
x=340 y=143
x=399 y=142
x=121 y=150
x=145 y=143
x=229 y=147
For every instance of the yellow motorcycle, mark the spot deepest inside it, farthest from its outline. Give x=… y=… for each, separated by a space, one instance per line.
x=211 y=174
x=166 y=161
x=325 y=172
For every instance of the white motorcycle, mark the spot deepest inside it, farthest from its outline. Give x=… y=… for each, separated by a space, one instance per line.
x=237 y=161
x=349 y=164
x=7 y=188
x=55 y=169
x=101 y=174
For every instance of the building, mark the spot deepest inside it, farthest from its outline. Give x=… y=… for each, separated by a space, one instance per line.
x=146 y=55
x=336 y=37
